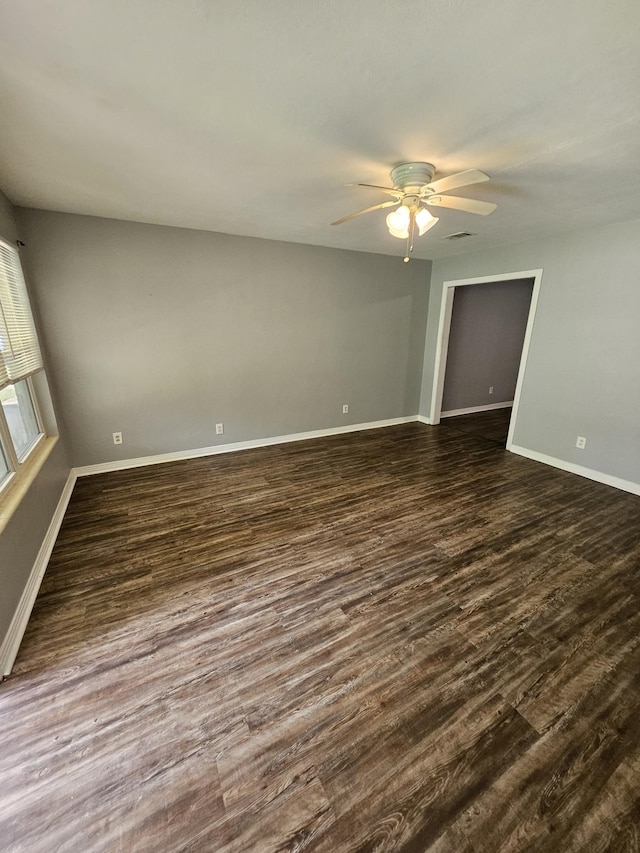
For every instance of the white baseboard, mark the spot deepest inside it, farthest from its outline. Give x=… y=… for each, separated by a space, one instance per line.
x=141 y=461
x=489 y=408
x=13 y=637
x=421 y=419
x=589 y=473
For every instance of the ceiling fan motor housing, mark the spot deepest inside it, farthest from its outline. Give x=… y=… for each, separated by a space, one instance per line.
x=407 y=175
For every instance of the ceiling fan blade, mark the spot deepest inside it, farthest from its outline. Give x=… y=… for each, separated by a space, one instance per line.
x=469 y=205
x=388 y=190
x=366 y=210
x=460 y=179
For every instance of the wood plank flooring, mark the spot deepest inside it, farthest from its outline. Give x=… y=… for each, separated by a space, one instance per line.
x=399 y=640
x=492 y=425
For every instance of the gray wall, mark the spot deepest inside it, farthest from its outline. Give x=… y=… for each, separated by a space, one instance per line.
x=488 y=323
x=21 y=539
x=583 y=371
x=162 y=332
x=8 y=224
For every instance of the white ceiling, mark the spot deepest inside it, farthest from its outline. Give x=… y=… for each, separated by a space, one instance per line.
x=250 y=116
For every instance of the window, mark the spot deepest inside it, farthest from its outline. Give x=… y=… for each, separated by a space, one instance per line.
x=4 y=468
x=20 y=422
x=20 y=415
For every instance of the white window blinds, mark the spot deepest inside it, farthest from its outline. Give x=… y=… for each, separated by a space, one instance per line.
x=19 y=349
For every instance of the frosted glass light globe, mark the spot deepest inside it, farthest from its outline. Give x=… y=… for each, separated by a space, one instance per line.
x=424 y=220
x=398 y=222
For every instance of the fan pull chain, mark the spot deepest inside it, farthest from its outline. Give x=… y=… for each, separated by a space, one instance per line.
x=410 y=236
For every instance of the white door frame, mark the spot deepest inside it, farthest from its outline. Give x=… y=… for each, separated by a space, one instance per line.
x=444 y=329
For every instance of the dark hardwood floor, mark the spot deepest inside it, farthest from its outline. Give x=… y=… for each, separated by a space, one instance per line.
x=399 y=640
x=492 y=425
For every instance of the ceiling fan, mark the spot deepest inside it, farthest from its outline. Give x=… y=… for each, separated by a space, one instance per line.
x=413 y=190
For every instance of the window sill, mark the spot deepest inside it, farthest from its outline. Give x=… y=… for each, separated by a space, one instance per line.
x=12 y=495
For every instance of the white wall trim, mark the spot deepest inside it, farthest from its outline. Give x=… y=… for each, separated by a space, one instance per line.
x=421 y=419
x=442 y=349
x=589 y=473
x=488 y=408
x=537 y=281
x=141 y=461
x=13 y=637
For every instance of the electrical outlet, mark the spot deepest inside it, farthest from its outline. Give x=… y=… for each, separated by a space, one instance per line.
x=219 y=429
x=581 y=442
x=117 y=438
x=491 y=389
x=345 y=409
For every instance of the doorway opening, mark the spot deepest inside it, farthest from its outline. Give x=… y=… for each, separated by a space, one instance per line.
x=482 y=348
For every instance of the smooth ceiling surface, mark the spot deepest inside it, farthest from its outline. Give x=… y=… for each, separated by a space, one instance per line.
x=250 y=116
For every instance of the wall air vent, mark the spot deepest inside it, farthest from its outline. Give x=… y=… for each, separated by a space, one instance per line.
x=459 y=235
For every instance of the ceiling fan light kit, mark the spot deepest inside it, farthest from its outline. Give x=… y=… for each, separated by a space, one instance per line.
x=398 y=220
x=413 y=189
